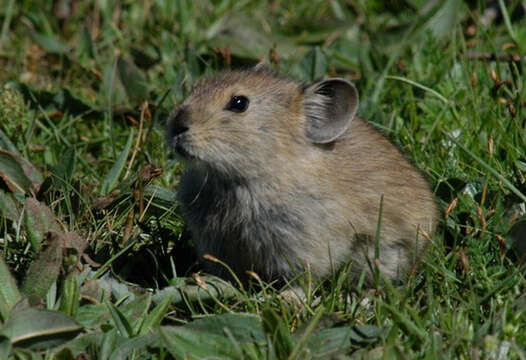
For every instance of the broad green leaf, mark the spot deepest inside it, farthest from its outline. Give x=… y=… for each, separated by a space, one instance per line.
x=446 y=17
x=113 y=176
x=184 y=343
x=6 y=144
x=62 y=100
x=110 y=342
x=5 y=347
x=38 y=221
x=329 y=342
x=243 y=327
x=92 y=315
x=113 y=92
x=12 y=173
x=313 y=30
x=136 y=345
x=26 y=354
x=32 y=173
x=39 y=329
x=50 y=44
x=155 y=317
x=85 y=47
x=163 y=196
x=135 y=311
x=70 y=296
x=313 y=66
x=119 y=319
x=65 y=101
x=110 y=345
x=9 y=294
x=246 y=38
x=366 y=334
x=216 y=288
x=44 y=271
x=81 y=343
x=132 y=79
x=338 y=340
x=9 y=206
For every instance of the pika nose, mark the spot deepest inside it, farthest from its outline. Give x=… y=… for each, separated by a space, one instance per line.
x=177 y=123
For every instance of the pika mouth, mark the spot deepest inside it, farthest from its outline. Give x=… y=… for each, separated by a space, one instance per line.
x=181 y=148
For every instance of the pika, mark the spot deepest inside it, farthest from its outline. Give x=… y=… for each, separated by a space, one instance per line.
x=282 y=177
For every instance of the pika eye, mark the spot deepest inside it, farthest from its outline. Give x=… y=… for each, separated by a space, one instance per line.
x=238 y=104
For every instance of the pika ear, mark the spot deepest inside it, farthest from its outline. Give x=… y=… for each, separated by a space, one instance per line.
x=330 y=105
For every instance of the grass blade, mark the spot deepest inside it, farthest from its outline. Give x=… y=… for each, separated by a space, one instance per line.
x=111 y=179
x=486 y=166
x=9 y=294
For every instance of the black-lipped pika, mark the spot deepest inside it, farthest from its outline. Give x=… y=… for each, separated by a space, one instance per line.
x=282 y=177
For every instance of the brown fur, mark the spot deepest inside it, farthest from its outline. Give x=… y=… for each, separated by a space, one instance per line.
x=259 y=195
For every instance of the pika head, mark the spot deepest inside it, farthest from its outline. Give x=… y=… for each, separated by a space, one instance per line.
x=283 y=177
x=239 y=122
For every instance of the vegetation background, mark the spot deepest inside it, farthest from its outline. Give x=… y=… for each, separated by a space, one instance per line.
x=90 y=231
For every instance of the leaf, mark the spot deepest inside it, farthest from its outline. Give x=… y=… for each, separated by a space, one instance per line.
x=121 y=322
x=12 y=173
x=80 y=345
x=112 y=346
x=154 y=318
x=85 y=47
x=50 y=44
x=132 y=79
x=34 y=175
x=9 y=206
x=65 y=168
x=6 y=144
x=305 y=30
x=38 y=221
x=446 y=17
x=184 y=343
x=329 y=342
x=161 y=195
x=126 y=348
x=313 y=66
x=135 y=311
x=65 y=101
x=5 y=347
x=70 y=296
x=246 y=38
x=9 y=294
x=111 y=179
x=39 y=329
x=366 y=334
x=92 y=315
x=243 y=327
x=44 y=271
x=216 y=288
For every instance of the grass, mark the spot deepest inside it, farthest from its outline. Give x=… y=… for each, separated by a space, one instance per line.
x=91 y=84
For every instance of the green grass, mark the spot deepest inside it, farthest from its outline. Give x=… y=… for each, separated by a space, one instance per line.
x=90 y=88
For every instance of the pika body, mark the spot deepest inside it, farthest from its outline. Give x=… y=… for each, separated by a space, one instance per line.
x=282 y=177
